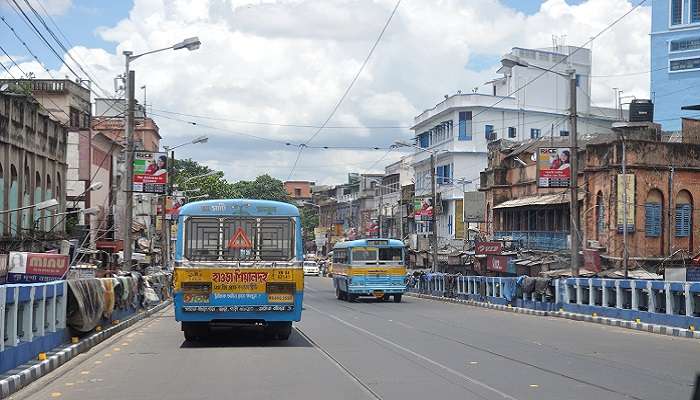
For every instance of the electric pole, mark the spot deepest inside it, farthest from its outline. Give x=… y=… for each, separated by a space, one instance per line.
x=433 y=233
x=573 y=201
x=129 y=135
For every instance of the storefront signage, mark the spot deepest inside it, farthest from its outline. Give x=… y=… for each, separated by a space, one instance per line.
x=497 y=263
x=150 y=172
x=27 y=267
x=494 y=248
x=553 y=167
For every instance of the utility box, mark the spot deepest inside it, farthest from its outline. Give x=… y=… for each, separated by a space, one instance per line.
x=641 y=111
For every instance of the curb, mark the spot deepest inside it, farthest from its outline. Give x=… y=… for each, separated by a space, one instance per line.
x=641 y=326
x=14 y=383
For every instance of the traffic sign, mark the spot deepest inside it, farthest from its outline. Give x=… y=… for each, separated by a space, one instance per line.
x=240 y=240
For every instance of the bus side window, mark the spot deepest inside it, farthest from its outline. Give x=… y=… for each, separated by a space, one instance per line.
x=391 y=254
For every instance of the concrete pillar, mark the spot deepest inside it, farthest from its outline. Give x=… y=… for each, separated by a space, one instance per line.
x=557 y=291
x=606 y=293
x=28 y=317
x=688 y=300
x=618 y=295
x=567 y=291
x=635 y=295
x=11 y=317
x=591 y=292
x=579 y=292
x=651 y=297
x=669 y=298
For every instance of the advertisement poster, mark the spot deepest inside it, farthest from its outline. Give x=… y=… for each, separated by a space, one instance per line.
x=497 y=263
x=150 y=172
x=423 y=209
x=27 y=267
x=627 y=185
x=553 y=167
x=172 y=206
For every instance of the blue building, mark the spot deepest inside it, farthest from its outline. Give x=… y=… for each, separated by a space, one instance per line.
x=675 y=60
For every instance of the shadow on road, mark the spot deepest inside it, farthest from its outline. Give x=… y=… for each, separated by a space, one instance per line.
x=244 y=337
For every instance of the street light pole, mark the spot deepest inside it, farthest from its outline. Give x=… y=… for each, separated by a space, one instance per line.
x=190 y=44
x=573 y=201
x=433 y=233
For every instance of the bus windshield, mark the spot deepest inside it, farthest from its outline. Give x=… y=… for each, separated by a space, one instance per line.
x=239 y=239
x=364 y=254
x=391 y=254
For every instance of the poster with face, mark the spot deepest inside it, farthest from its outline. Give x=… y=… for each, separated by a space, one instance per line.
x=553 y=167
x=150 y=172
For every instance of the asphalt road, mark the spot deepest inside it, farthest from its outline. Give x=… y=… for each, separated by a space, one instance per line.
x=418 y=349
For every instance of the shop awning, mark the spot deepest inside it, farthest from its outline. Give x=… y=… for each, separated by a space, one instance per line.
x=542 y=200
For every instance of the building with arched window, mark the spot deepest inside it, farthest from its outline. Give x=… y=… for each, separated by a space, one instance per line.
x=32 y=146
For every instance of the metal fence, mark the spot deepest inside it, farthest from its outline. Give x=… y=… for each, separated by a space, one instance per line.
x=658 y=302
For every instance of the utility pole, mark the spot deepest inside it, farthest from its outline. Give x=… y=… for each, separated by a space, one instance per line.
x=573 y=201
x=625 y=253
x=433 y=233
x=129 y=135
x=379 y=214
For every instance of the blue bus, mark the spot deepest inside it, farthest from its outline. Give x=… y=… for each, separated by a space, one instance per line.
x=238 y=262
x=369 y=267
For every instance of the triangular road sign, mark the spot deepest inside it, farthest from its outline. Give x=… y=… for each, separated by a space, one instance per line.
x=239 y=240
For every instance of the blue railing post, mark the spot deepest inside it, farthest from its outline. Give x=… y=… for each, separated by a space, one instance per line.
x=579 y=292
x=606 y=293
x=618 y=295
x=669 y=298
x=557 y=291
x=651 y=297
x=28 y=317
x=635 y=295
x=591 y=292
x=11 y=317
x=40 y=321
x=689 y=301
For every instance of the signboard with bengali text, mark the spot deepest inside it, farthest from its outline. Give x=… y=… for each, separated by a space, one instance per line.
x=27 y=267
x=492 y=248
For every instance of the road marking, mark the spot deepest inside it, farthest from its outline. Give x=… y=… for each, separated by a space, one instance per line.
x=534 y=386
x=116 y=349
x=125 y=344
x=473 y=362
x=419 y=356
x=98 y=362
x=108 y=355
x=70 y=383
x=55 y=394
x=84 y=372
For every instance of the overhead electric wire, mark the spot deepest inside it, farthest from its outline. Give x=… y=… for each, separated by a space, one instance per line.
x=566 y=57
x=347 y=90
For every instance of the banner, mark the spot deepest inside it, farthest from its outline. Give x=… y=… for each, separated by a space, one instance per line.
x=423 y=209
x=150 y=172
x=553 y=167
x=629 y=187
x=497 y=263
x=492 y=248
x=172 y=206
x=27 y=267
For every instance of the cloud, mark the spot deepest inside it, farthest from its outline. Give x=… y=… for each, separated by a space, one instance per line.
x=289 y=61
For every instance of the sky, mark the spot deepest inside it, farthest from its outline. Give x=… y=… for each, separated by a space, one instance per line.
x=267 y=64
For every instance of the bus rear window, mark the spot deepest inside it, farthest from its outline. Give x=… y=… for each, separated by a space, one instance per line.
x=391 y=254
x=239 y=239
x=363 y=254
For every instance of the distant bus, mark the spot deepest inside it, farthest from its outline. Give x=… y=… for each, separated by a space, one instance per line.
x=369 y=267
x=238 y=262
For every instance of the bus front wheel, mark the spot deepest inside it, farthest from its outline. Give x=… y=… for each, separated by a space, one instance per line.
x=397 y=298
x=194 y=331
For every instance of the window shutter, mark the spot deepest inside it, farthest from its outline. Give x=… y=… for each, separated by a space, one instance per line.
x=683 y=220
x=652 y=220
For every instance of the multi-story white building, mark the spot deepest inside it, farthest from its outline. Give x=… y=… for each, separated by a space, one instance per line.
x=524 y=103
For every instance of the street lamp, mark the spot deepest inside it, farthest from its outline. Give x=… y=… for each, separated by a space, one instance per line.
x=39 y=206
x=515 y=61
x=86 y=211
x=433 y=235
x=190 y=44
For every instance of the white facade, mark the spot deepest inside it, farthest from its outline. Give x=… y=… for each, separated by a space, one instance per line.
x=459 y=128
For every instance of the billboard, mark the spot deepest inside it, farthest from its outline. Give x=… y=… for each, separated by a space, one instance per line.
x=474 y=206
x=553 y=167
x=493 y=248
x=27 y=267
x=497 y=263
x=625 y=185
x=423 y=209
x=172 y=206
x=150 y=172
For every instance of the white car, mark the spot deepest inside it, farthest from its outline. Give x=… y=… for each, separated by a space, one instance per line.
x=311 y=268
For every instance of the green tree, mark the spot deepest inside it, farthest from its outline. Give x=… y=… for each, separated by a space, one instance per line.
x=264 y=187
x=215 y=186
x=309 y=221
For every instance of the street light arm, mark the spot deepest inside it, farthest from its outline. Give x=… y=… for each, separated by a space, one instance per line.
x=134 y=57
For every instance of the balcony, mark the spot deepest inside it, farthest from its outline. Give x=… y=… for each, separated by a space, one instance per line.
x=537 y=240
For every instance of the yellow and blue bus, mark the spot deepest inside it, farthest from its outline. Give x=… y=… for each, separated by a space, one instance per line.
x=369 y=267
x=238 y=262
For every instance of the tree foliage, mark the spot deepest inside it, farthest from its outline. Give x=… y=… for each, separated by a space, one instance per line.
x=264 y=187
